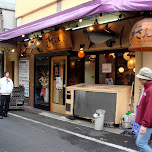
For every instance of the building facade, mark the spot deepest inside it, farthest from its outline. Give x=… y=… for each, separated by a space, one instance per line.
x=66 y=43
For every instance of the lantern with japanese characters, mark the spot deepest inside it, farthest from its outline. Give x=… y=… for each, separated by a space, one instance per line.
x=141 y=36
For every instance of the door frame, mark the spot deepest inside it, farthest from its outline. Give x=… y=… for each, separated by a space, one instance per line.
x=56 y=107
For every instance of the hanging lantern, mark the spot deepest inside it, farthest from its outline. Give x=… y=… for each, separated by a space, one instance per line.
x=125 y=56
x=81 y=54
x=131 y=63
x=121 y=69
x=134 y=69
x=113 y=55
x=140 y=36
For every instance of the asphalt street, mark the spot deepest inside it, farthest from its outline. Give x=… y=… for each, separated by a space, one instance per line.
x=23 y=131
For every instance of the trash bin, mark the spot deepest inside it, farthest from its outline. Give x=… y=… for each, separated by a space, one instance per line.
x=99 y=119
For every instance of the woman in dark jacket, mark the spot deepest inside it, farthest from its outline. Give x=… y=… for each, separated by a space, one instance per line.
x=144 y=111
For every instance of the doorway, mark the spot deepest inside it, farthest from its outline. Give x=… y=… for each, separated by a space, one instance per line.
x=58 y=84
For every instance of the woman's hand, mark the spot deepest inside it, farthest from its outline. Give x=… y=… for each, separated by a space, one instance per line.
x=143 y=130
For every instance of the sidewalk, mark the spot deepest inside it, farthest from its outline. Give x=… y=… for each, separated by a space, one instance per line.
x=81 y=122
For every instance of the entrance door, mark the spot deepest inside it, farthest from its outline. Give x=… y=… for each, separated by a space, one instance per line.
x=58 y=83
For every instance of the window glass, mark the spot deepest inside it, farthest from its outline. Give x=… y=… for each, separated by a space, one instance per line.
x=42 y=81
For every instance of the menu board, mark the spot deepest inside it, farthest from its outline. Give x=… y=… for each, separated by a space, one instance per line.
x=24 y=75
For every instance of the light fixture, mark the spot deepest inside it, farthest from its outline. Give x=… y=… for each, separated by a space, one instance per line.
x=121 y=69
x=23 y=35
x=125 y=56
x=96 y=22
x=82 y=47
x=101 y=15
x=80 y=20
x=13 y=50
x=113 y=55
x=81 y=54
x=120 y=16
x=134 y=69
x=22 y=55
x=91 y=28
x=26 y=40
x=131 y=63
x=108 y=21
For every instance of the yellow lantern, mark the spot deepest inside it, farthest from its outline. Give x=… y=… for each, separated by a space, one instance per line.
x=121 y=69
x=125 y=56
x=113 y=55
x=134 y=69
x=131 y=63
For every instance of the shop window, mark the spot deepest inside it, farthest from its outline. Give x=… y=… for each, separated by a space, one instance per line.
x=42 y=81
x=127 y=75
x=90 y=69
x=75 y=71
x=115 y=69
x=107 y=68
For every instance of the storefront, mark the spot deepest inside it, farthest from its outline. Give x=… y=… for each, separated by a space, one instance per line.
x=53 y=46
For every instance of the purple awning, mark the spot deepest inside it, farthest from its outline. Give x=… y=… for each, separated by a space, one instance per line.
x=86 y=9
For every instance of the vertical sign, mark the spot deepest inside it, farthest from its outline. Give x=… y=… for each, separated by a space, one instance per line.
x=24 y=74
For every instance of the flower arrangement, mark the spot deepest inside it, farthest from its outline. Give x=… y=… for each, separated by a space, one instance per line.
x=44 y=80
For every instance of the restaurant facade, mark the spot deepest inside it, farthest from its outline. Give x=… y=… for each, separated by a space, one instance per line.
x=88 y=44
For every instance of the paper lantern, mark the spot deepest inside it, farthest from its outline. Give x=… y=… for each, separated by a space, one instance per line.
x=131 y=63
x=140 y=36
x=81 y=54
x=125 y=56
x=121 y=69
x=113 y=55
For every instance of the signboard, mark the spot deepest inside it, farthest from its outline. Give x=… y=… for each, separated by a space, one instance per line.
x=106 y=68
x=24 y=74
x=59 y=84
x=57 y=40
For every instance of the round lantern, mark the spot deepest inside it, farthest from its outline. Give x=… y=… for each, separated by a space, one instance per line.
x=131 y=63
x=121 y=69
x=113 y=55
x=81 y=54
x=125 y=56
x=141 y=35
x=134 y=69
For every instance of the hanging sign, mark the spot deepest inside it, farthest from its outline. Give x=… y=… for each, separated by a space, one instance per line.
x=57 y=40
x=24 y=75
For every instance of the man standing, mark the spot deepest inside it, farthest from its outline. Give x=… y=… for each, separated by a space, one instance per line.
x=144 y=111
x=6 y=87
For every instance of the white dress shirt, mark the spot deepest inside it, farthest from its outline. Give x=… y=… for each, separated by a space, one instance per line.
x=6 y=86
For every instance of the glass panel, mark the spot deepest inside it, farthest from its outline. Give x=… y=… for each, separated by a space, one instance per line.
x=128 y=75
x=107 y=68
x=75 y=76
x=42 y=81
x=59 y=81
x=90 y=61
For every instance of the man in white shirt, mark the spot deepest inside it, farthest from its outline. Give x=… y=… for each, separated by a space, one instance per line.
x=6 y=88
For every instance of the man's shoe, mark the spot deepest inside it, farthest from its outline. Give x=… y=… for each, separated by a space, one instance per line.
x=1 y=117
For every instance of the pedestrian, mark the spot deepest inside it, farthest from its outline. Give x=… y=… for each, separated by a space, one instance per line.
x=6 y=87
x=144 y=111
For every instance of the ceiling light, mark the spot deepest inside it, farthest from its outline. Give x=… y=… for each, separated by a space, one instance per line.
x=82 y=47
x=80 y=20
x=101 y=15
x=26 y=40
x=23 y=35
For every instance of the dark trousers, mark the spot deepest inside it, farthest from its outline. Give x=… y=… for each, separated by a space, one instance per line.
x=5 y=100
